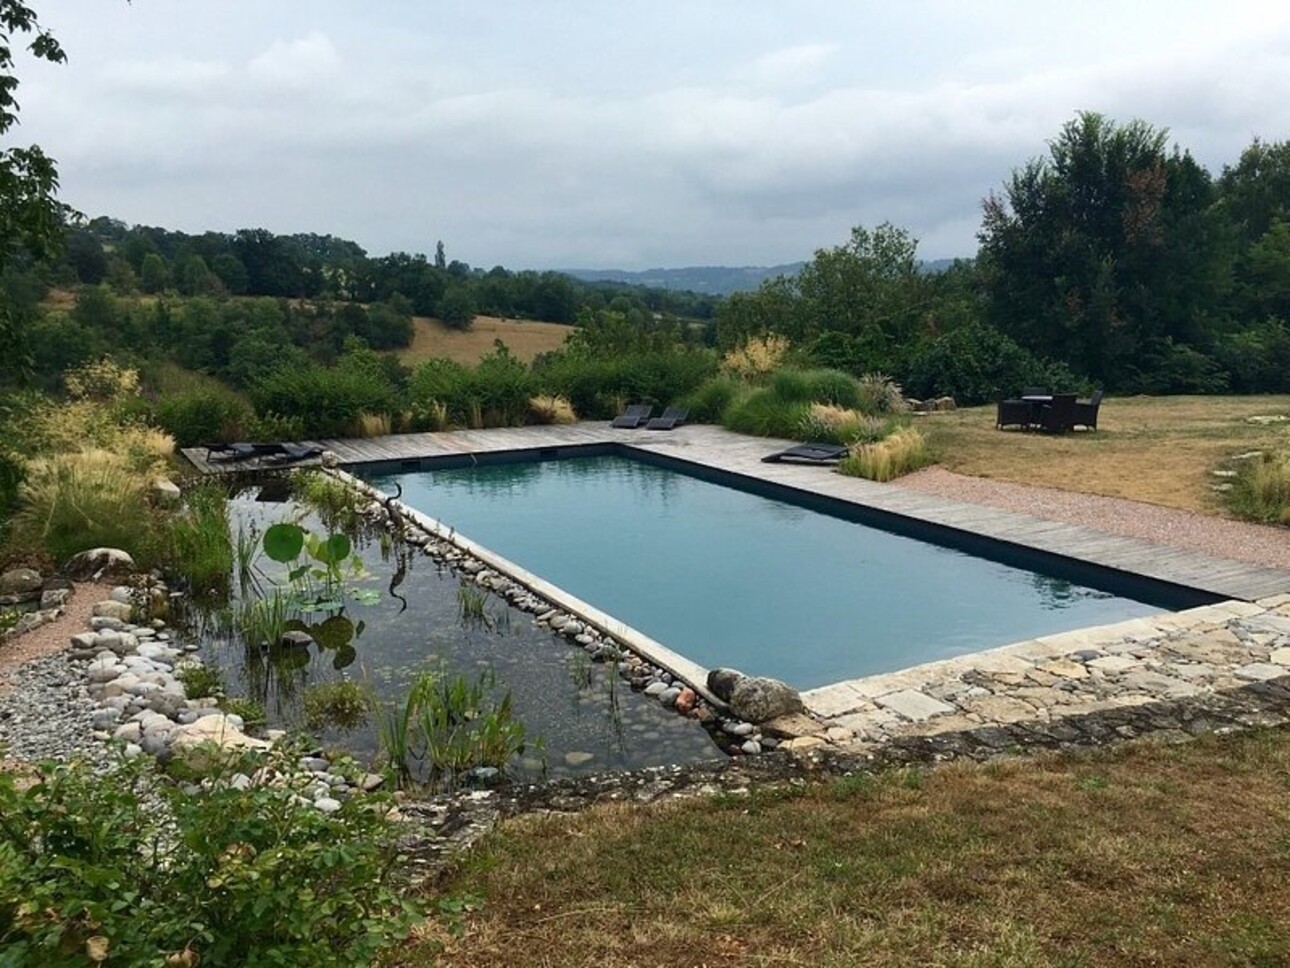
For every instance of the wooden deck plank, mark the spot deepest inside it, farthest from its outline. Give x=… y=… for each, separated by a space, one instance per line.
x=721 y=450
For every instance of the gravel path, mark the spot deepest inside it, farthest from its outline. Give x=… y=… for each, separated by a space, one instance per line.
x=1257 y=544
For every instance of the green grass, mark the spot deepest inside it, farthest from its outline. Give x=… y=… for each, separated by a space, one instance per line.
x=1143 y=855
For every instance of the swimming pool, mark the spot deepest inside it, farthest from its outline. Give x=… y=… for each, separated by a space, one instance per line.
x=733 y=578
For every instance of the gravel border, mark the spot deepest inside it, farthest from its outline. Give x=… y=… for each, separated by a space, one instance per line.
x=1258 y=544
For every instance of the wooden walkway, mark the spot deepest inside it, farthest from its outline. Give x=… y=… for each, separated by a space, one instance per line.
x=718 y=449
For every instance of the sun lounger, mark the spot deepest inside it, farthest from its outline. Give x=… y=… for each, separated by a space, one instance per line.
x=291 y=453
x=230 y=453
x=672 y=418
x=633 y=416
x=808 y=454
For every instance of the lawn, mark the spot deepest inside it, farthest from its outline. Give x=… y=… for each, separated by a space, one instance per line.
x=524 y=339
x=1142 y=855
x=1162 y=450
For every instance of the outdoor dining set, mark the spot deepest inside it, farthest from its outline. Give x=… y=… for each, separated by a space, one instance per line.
x=1037 y=409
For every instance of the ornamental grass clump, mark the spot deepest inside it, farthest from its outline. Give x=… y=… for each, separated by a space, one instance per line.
x=902 y=451
x=200 y=544
x=86 y=499
x=880 y=394
x=758 y=357
x=839 y=425
x=1261 y=489
x=547 y=409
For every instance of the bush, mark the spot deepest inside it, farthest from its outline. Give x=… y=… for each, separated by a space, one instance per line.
x=903 y=451
x=764 y=414
x=203 y=416
x=1261 y=489
x=711 y=399
x=757 y=357
x=92 y=871
x=598 y=387
x=817 y=386
x=1257 y=360
x=1170 y=367
x=325 y=401
x=975 y=363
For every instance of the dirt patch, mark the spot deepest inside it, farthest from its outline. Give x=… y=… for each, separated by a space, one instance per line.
x=53 y=637
x=523 y=338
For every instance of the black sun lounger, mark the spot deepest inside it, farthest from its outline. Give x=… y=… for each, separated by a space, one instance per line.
x=672 y=417
x=633 y=416
x=296 y=452
x=808 y=454
x=228 y=453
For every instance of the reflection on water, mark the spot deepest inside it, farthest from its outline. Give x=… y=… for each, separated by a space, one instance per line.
x=580 y=710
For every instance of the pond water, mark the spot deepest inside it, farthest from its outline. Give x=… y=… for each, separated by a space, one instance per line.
x=579 y=711
x=730 y=578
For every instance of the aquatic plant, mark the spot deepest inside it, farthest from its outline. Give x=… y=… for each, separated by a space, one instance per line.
x=201 y=681
x=470 y=602
x=343 y=704
x=199 y=537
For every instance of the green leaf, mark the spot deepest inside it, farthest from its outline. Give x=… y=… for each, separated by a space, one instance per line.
x=334 y=633
x=283 y=541
x=332 y=551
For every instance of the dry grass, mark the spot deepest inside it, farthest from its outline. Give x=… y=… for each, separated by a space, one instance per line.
x=546 y=409
x=1161 y=450
x=902 y=451
x=525 y=340
x=1147 y=855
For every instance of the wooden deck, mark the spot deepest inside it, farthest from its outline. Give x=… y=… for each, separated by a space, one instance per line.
x=713 y=447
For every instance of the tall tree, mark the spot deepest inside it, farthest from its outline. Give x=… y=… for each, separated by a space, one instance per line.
x=31 y=217
x=1107 y=254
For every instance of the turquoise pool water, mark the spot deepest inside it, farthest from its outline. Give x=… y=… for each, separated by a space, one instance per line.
x=730 y=578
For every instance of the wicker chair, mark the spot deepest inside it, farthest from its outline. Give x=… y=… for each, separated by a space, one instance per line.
x=1014 y=413
x=1034 y=391
x=1086 y=413
x=1058 y=416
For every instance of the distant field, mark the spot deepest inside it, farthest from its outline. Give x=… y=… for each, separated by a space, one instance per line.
x=524 y=339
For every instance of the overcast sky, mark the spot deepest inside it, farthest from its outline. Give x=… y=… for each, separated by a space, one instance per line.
x=601 y=134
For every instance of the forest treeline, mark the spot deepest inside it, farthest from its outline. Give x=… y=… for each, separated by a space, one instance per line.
x=1114 y=260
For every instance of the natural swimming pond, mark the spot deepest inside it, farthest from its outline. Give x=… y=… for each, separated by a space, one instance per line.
x=731 y=578
x=409 y=618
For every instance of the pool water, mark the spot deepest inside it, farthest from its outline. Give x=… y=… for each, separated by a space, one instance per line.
x=730 y=578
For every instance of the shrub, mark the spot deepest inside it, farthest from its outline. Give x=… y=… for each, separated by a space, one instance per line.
x=1261 y=489
x=763 y=414
x=325 y=401
x=87 y=499
x=903 y=451
x=203 y=416
x=544 y=409
x=93 y=871
x=756 y=358
x=1257 y=359
x=975 y=363
x=501 y=388
x=597 y=387
x=711 y=399
x=343 y=705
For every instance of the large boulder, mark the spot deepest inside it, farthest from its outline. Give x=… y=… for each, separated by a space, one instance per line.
x=209 y=741
x=99 y=563
x=757 y=699
x=20 y=581
x=721 y=682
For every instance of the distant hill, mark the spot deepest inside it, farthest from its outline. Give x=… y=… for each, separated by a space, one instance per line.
x=711 y=280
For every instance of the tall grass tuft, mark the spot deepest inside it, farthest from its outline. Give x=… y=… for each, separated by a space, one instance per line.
x=763 y=414
x=548 y=409
x=839 y=425
x=709 y=402
x=757 y=357
x=817 y=386
x=1261 y=489
x=899 y=453
x=880 y=394
x=262 y=621
x=369 y=425
x=201 y=547
x=87 y=499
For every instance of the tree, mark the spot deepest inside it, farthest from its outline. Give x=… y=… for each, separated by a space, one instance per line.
x=1106 y=253
x=31 y=217
x=154 y=275
x=440 y=259
x=457 y=308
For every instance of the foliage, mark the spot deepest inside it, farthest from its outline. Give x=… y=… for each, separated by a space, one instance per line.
x=763 y=413
x=203 y=416
x=342 y=704
x=899 y=453
x=92 y=870
x=598 y=386
x=710 y=400
x=759 y=356
x=448 y=725
x=1168 y=367
x=1261 y=489
x=251 y=711
x=336 y=504
x=816 y=386
x=325 y=400
x=880 y=394
x=1257 y=360
x=976 y=364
